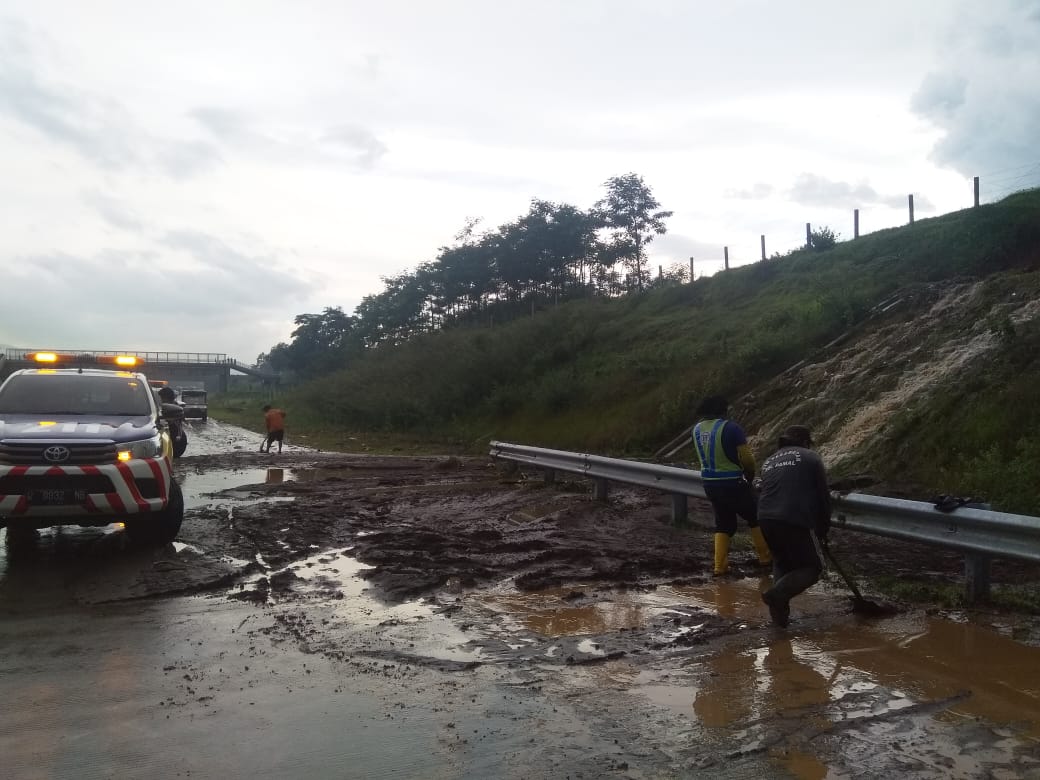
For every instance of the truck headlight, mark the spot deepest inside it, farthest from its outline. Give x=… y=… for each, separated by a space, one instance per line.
x=145 y=448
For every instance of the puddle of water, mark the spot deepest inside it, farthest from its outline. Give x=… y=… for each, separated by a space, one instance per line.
x=199 y=487
x=804 y=766
x=899 y=661
x=548 y=613
x=932 y=658
x=535 y=511
x=424 y=632
x=855 y=669
x=551 y=614
x=590 y=647
x=872 y=671
x=319 y=474
x=742 y=599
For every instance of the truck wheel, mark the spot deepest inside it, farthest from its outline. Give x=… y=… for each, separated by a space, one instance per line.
x=159 y=527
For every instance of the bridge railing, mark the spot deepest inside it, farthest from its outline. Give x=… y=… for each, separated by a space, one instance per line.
x=978 y=533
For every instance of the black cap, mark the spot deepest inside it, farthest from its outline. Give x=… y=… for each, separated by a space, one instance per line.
x=796 y=436
x=713 y=406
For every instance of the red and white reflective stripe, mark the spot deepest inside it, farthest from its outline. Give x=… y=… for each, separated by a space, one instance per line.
x=131 y=486
x=126 y=499
x=160 y=477
x=10 y=505
x=14 y=505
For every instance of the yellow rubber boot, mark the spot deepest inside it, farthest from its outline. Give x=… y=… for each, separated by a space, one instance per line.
x=721 y=554
x=764 y=556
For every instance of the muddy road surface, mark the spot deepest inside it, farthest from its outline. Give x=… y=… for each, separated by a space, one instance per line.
x=345 y=616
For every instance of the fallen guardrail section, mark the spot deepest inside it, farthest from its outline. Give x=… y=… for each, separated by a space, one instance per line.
x=981 y=534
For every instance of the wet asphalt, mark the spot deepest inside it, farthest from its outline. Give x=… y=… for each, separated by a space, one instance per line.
x=124 y=662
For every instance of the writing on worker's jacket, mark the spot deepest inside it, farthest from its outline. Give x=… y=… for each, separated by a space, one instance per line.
x=780 y=460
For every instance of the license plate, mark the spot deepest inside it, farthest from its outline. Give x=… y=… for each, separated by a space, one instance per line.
x=57 y=497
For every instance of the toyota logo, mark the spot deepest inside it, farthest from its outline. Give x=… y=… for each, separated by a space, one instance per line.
x=56 y=454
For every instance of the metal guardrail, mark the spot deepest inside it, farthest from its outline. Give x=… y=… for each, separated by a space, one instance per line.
x=979 y=533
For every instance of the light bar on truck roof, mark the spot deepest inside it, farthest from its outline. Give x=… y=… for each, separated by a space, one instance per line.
x=56 y=358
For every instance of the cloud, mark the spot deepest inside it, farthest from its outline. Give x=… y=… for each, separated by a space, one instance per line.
x=115 y=213
x=99 y=128
x=224 y=123
x=940 y=95
x=221 y=299
x=359 y=142
x=240 y=275
x=90 y=125
x=682 y=248
x=810 y=189
x=351 y=143
x=184 y=159
x=982 y=94
x=758 y=191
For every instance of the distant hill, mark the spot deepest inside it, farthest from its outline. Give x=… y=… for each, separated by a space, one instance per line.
x=912 y=352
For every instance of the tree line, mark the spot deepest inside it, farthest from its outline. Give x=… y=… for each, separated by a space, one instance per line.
x=553 y=253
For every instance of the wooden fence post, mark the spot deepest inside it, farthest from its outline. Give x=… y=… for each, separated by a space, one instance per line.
x=691 y=268
x=808 y=236
x=763 y=246
x=855 y=223
x=725 y=254
x=976 y=192
x=911 y=201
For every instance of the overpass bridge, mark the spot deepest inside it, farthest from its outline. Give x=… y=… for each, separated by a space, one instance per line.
x=210 y=369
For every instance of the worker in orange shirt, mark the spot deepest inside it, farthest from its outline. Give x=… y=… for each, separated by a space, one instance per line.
x=274 y=420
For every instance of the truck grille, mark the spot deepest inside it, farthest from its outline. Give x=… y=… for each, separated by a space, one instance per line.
x=27 y=483
x=30 y=453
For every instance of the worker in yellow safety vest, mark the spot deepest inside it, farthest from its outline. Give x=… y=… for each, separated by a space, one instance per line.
x=727 y=469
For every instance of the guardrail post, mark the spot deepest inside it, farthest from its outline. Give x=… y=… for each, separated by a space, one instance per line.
x=976 y=577
x=680 y=510
x=602 y=488
x=550 y=476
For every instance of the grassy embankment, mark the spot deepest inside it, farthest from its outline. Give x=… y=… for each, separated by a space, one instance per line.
x=619 y=376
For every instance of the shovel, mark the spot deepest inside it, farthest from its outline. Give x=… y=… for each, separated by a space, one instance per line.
x=860 y=605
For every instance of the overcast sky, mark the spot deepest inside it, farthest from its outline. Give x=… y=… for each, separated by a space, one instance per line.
x=191 y=175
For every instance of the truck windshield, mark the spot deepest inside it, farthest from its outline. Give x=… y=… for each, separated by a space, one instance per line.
x=193 y=396
x=118 y=396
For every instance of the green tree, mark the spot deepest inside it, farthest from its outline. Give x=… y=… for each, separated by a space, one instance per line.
x=632 y=214
x=320 y=343
x=822 y=239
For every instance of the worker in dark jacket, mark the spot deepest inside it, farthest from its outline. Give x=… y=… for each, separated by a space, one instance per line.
x=794 y=503
x=727 y=470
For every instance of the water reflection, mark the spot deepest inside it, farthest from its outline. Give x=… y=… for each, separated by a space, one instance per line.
x=752 y=684
x=549 y=613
